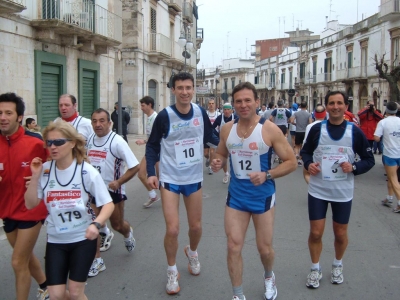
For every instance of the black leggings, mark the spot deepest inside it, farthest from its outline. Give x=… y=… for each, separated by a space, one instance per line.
x=74 y=258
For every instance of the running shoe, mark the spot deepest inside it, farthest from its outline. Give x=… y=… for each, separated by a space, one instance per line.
x=299 y=163
x=105 y=242
x=270 y=288
x=207 y=162
x=172 y=283
x=313 y=279
x=131 y=244
x=210 y=171
x=96 y=267
x=387 y=202
x=337 y=274
x=226 y=178
x=237 y=298
x=194 y=264
x=151 y=201
x=397 y=209
x=42 y=294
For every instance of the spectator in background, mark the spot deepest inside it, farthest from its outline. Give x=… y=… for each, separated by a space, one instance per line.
x=263 y=110
x=369 y=118
x=125 y=121
x=31 y=125
x=268 y=112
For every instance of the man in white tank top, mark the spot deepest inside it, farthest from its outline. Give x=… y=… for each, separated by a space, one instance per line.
x=67 y=106
x=248 y=142
x=147 y=106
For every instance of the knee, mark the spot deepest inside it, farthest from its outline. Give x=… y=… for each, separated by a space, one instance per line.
x=266 y=250
x=117 y=226
x=234 y=246
x=19 y=264
x=172 y=232
x=195 y=228
x=315 y=235
x=74 y=294
x=341 y=236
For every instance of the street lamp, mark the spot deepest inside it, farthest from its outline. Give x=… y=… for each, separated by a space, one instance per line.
x=185 y=40
x=216 y=77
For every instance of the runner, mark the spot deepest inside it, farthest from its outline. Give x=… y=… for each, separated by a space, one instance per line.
x=177 y=139
x=65 y=184
x=251 y=194
x=109 y=153
x=212 y=114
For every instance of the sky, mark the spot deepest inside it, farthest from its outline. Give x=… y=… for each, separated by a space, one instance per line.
x=228 y=24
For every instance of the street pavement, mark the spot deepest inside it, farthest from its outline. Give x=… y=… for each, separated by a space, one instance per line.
x=371 y=262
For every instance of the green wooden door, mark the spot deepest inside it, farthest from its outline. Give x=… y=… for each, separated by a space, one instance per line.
x=51 y=90
x=88 y=85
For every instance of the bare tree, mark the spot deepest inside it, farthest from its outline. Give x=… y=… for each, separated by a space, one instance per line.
x=391 y=74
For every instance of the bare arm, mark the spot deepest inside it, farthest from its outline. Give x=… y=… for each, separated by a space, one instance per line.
x=116 y=184
x=222 y=153
x=31 y=194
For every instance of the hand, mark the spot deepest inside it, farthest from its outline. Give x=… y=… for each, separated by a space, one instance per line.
x=346 y=167
x=314 y=169
x=140 y=142
x=36 y=166
x=28 y=180
x=216 y=165
x=92 y=232
x=114 y=185
x=153 y=182
x=257 y=178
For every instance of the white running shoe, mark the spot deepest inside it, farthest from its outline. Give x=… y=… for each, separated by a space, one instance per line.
x=42 y=294
x=337 y=274
x=151 y=201
x=172 y=283
x=96 y=267
x=226 y=178
x=313 y=278
x=105 y=242
x=131 y=244
x=270 y=288
x=194 y=264
x=237 y=298
x=210 y=171
x=207 y=162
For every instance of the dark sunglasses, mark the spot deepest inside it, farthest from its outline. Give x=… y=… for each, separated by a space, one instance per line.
x=57 y=142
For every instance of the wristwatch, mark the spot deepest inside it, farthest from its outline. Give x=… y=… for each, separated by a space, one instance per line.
x=97 y=224
x=268 y=175
x=354 y=167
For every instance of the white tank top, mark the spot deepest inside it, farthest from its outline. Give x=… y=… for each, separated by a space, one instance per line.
x=103 y=159
x=281 y=118
x=213 y=117
x=181 y=155
x=331 y=183
x=149 y=123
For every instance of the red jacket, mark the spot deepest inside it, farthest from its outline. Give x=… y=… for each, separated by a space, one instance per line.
x=369 y=121
x=348 y=116
x=16 y=153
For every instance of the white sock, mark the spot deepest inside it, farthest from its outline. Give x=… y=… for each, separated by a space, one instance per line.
x=315 y=266
x=192 y=253
x=152 y=194
x=388 y=197
x=337 y=262
x=172 y=268
x=105 y=229
x=129 y=237
x=227 y=173
x=98 y=259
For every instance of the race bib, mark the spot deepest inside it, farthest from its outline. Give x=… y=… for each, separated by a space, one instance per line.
x=245 y=162
x=97 y=159
x=187 y=152
x=331 y=170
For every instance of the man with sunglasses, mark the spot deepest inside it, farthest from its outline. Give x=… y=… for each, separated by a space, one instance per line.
x=17 y=148
x=109 y=153
x=68 y=110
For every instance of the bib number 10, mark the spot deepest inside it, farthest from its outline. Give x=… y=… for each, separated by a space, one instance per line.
x=245 y=165
x=188 y=152
x=68 y=215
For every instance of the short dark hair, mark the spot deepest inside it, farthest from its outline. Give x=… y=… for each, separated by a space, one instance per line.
x=100 y=110
x=242 y=86
x=332 y=93
x=271 y=105
x=182 y=76
x=29 y=121
x=303 y=104
x=392 y=106
x=72 y=97
x=280 y=103
x=14 y=98
x=147 y=100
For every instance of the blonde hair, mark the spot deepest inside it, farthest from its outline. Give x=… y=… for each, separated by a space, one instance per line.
x=69 y=132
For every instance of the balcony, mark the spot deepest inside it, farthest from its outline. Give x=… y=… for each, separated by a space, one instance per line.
x=199 y=36
x=78 y=23
x=175 y=6
x=12 y=6
x=324 y=77
x=187 y=13
x=310 y=80
x=160 y=46
x=262 y=86
x=390 y=10
x=197 y=56
x=283 y=86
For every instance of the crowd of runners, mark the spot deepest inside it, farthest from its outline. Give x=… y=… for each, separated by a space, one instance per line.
x=72 y=177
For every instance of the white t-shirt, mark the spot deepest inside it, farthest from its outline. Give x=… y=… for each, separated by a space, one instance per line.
x=82 y=125
x=389 y=128
x=109 y=155
x=213 y=116
x=150 y=122
x=66 y=196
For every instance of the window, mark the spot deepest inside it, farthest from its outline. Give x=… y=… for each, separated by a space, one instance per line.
x=349 y=59
x=89 y=87
x=290 y=79
x=328 y=68
x=314 y=71
x=302 y=70
x=233 y=82
x=395 y=50
x=226 y=84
